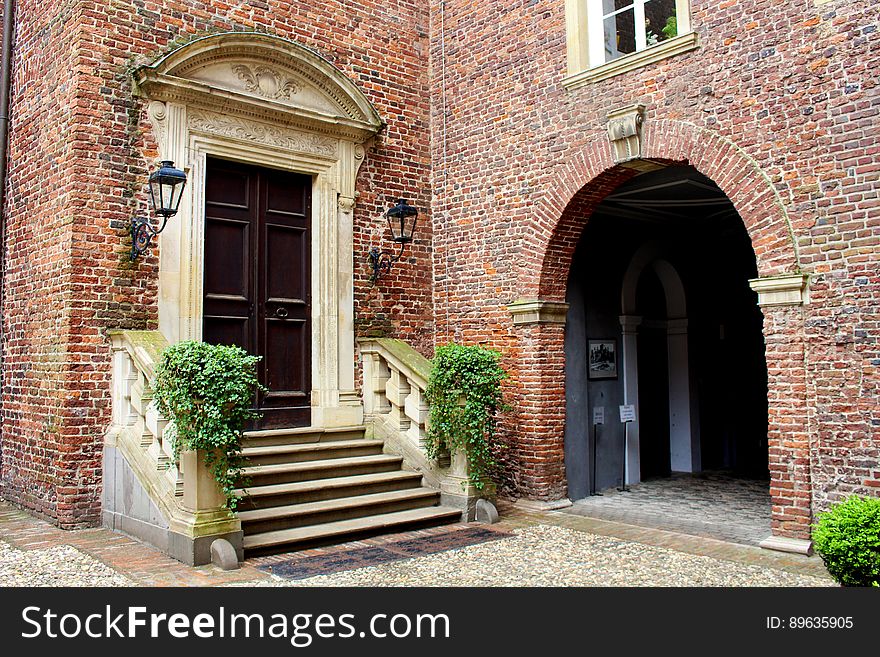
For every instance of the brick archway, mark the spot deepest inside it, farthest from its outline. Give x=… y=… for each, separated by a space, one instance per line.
x=583 y=181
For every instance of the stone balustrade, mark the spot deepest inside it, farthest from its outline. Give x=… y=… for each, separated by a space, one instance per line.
x=395 y=378
x=134 y=357
x=173 y=504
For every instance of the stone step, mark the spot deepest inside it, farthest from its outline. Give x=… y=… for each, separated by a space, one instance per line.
x=325 y=489
x=281 y=473
x=300 y=435
x=298 y=453
x=344 y=508
x=343 y=530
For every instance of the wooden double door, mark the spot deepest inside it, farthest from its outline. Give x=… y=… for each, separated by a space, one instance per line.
x=257 y=285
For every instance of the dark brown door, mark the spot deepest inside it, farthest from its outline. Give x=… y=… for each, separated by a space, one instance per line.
x=257 y=280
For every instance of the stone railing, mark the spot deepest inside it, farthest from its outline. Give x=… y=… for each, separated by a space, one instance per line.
x=396 y=411
x=176 y=506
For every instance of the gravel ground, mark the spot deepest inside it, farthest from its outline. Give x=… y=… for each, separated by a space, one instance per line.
x=58 y=566
x=540 y=555
x=555 y=556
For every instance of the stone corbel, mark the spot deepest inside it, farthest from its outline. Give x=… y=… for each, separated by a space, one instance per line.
x=360 y=152
x=156 y=111
x=788 y=290
x=536 y=311
x=625 y=132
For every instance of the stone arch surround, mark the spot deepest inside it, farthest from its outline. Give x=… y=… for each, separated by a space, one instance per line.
x=583 y=181
x=260 y=99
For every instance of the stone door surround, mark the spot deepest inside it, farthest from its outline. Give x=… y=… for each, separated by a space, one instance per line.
x=260 y=99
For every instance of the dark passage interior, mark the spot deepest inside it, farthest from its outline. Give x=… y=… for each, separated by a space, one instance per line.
x=666 y=254
x=653 y=370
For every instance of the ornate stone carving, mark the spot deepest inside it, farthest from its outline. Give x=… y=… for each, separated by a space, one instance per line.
x=625 y=132
x=266 y=82
x=346 y=204
x=156 y=111
x=239 y=128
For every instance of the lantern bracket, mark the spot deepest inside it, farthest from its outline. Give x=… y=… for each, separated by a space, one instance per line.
x=166 y=191
x=142 y=234
x=401 y=220
x=381 y=261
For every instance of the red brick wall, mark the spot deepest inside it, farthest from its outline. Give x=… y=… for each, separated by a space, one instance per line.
x=79 y=158
x=778 y=105
x=42 y=461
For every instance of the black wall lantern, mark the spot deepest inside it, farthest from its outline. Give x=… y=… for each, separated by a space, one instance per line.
x=166 y=190
x=402 y=224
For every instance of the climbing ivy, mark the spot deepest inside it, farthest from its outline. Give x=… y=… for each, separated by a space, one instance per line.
x=208 y=391
x=465 y=397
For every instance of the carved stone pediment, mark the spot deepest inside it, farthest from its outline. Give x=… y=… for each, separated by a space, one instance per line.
x=271 y=83
x=261 y=77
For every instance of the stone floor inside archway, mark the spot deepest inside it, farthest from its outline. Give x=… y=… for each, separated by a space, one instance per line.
x=714 y=504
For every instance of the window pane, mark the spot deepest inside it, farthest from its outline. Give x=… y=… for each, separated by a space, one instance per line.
x=610 y=6
x=620 y=35
x=660 y=21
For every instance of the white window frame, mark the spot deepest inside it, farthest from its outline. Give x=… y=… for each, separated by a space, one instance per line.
x=586 y=41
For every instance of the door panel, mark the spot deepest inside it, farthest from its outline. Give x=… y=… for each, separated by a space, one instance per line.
x=285 y=338
x=286 y=279
x=228 y=276
x=257 y=280
x=226 y=330
x=228 y=185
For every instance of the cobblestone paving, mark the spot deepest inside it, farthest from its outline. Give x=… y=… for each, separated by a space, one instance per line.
x=546 y=549
x=29 y=556
x=712 y=504
x=544 y=555
x=62 y=565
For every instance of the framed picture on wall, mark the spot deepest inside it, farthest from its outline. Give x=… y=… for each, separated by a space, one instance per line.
x=602 y=359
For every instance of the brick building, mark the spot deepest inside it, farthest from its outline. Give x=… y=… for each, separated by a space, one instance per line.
x=689 y=186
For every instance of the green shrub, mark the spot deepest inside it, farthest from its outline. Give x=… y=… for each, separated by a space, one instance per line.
x=208 y=391
x=670 y=30
x=464 y=394
x=848 y=539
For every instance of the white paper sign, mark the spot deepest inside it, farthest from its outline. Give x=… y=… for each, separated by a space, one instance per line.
x=628 y=413
x=599 y=415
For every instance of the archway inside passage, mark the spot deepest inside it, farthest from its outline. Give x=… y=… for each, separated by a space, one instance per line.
x=659 y=280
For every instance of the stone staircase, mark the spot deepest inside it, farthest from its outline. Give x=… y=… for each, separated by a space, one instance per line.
x=312 y=487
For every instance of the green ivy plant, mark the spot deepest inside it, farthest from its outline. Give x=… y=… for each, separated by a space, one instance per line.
x=208 y=391
x=670 y=30
x=848 y=539
x=465 y=397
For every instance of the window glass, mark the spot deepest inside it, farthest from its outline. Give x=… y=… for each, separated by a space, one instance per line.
x=633 y=25
x=619 y=24
x=660 y=23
